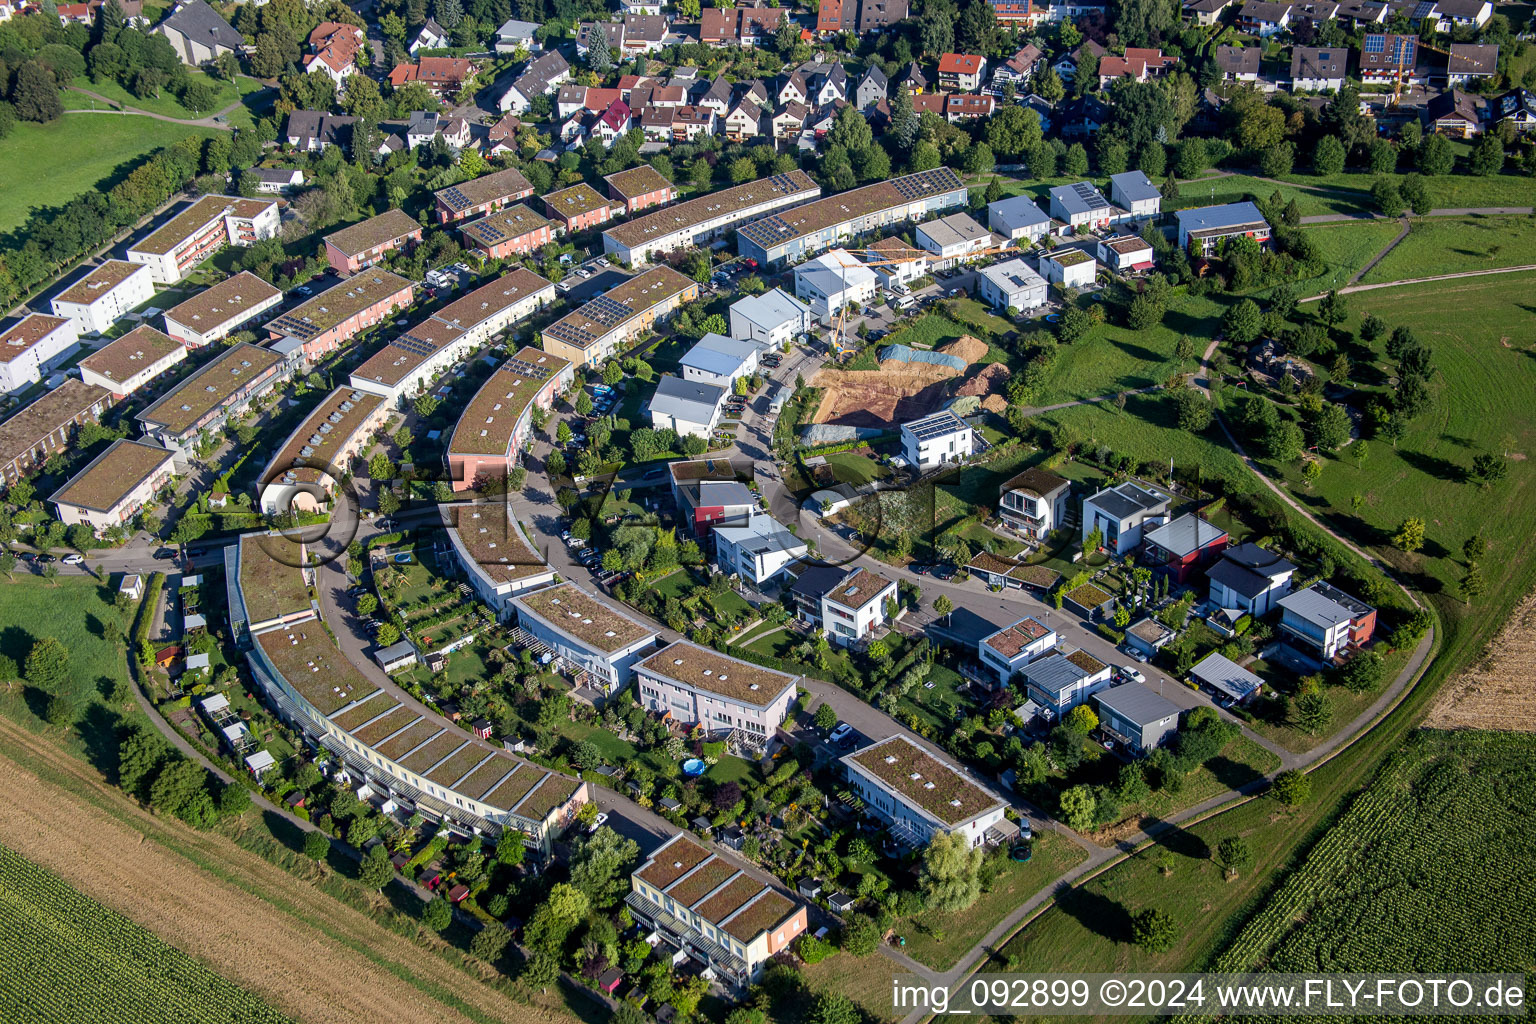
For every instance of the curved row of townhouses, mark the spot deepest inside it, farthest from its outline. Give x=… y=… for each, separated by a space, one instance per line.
x=418 y=759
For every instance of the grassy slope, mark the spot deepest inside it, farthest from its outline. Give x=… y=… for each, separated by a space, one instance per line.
x=78 y=610
x=1450 y=245
x=1458 y=190
x=165 y=103
x=79 y=150
x=1347 y=247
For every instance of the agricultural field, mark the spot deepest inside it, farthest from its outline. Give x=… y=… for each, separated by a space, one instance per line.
x=1495 y=693
x=86 y=962
x=1432 y=867
x=80 y=151
x=1453 y=245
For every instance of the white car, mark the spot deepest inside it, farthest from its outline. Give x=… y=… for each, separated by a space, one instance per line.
x=598 y=822
x=842 y=732
x=72 y=559
x=1132 y=674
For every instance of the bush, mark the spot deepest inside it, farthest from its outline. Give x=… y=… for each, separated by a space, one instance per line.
x=1292 y=788
x=1153 y=930
x=813 y=950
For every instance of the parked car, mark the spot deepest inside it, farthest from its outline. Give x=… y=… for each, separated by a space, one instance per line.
x=944 y=572
x=73 y=559
x=598 y=822
x=45 y=558
x=1132 y=675
x=165 y=553
x=920 y=570
x=840 y=733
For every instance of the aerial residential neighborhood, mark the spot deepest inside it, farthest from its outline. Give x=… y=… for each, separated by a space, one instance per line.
x=760 y=513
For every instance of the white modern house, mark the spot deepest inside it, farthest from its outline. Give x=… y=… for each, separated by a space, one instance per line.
x=1012 y=284
x=1007 y=651
x=1120 y=512
x=1061 y=682
x=723 y=695
x=1070 y=268
x=758 y=550
x=686 y=406
x=773 y=318
x=919 y=795
x=128 y=363
x=1082 y=207
x=1324 y=622
x=855 y=606
x=936 y=439
x=1126 y=254
x=1034 y=502
x=217 y=312
x=97 y=300
x=1134 y=192
x=1250 y=579
x=952 y=239
x=28 y=346
x=1018 y=217
x=716 y=359
x=600 y=642
x=897 y=263
x=833 y=281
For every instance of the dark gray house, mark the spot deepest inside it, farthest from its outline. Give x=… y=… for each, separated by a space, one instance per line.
x=1135 y=716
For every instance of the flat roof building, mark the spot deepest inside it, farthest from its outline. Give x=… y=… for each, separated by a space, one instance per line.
x=721 y=694
x=600 y=642
x=815 y=227
x=128 y=363
x=114 y=486
x=35 y=432
x=219 y=311
x=952 y=238
x=1062 y=681
x=496 y=556
x=1012 y=284
x=1226 y=678
x=834 y=281
x=708 y=217
x=936 y=439
x=758 y=551
x=1133 y=715
x=198 y=231
x=640 y=188
x=918 y=795
x=494 y=424
x=606 y=323
x=207 y=400
x=1007 y=651
x=485 y=194
x=1202 y=229
x=29 y=345
x=365 y=243
x=302 y=475
x=332 y=318
x=107 y=292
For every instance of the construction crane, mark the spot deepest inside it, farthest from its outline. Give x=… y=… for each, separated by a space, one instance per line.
x=1402 y=65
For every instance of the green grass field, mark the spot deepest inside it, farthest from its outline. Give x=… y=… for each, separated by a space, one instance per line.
x=85 y=961
x=1458 y=190
x=79 y=150
x=1112 y=357
x=1235 y=188
x=1479 y=329
x=79 y=611
x=1451 y=245
x=75 y=98
x=1147 y=431
x=1425 y=869
x=938 y=939
x=1347 y=247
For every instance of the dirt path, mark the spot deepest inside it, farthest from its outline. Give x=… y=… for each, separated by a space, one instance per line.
x=253 y=922
x=1382 y=254
x=122 y=110
x=1420 y=280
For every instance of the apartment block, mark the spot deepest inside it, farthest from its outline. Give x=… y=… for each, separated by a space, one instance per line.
x=116 y=484
x=696 y=685
x=97 y=300
x=493 y=426
x=30 y=344
x=336 y=315
x=172 y=250
x=367 y=242
x=612 y=320
x=598 y=642
x=217 y=312
x=128 y=363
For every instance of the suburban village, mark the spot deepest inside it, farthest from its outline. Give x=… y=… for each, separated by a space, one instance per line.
x=680 y=513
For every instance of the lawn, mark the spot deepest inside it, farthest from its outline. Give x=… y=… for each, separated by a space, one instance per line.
x=1111 y=357
x=1458 y=190
x=938 y=939
x=78 y=611
x=1147 y=430
x=676 y=584
x=1451 y=245
x=1236 y=188
x=732 y=769
x=934 y=709
x=165 y=103
x=1346 y=247
x=1479 y=329
x=79 y=151
x=855 y=469
x=931 y=330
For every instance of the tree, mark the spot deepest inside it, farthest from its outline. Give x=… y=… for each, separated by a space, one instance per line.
x=599 y=56
x=599 y=866
x=1154 y=930
x=316 y=845
x=1078 y=806
x=1313 y=712
x=1410 y=535
x=1081 y=720
x=1487 y=156
x=1145 y=22
x=175 y=786
x=35 y=94
x=389 y=503
x=47 y=664
x=437 y=914
x=583 y=404
x=490 y=941
x=59 y=710
x=835 y=1008
x=1436 y=156
x=376 y=870
x=1243 y=323
x=1330 y=428
x=1474 y=549
x=1471 y=584
x=1194 y=411
x=1328 y=157
x=1363 y=672
x=1388 y=198
x=1048 y=86
x=861 y=936
x=1489 y=468
x=1292 y=787
x=1333 y=309
x=388 y=634
x=826 y=717
x=942 y=605
x=950 y=878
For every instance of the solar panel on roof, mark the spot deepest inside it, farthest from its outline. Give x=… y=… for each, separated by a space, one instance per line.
x=1375 y=44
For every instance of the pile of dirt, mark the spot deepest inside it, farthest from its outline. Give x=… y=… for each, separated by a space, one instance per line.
x=869 y=398
x=1497 y=693
x=966 y=347
x=991 y=385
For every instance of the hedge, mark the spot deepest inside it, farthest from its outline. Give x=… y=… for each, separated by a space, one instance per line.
x=147 y=606
x=845 y=446
x=1111 y=633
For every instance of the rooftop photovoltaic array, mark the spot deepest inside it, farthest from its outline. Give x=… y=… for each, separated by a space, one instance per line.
x=929 y=427
x=778 y=228
x=926 y=183
x=1090 y=196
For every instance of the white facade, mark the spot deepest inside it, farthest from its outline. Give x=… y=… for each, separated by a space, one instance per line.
x=202 y=229
x=686 y=406
x=1071 y=268
x=1007 y=651
x=716 y=359
x=29 y=345
x=899 y=783
x=96 y=301
x=1133 y=191
x=937 y=439
x=834 y=281
x=1012 y=284
x=594 y=637
x=856 y=606
x=1119 y=513
x=219 y=311
x=146 y=373
x=758 y=551
x=773 y=318
x=696 y=684
x=1018 y=217
x=951 y=239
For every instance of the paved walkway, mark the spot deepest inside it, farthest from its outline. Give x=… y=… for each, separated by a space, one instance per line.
x=1351 y=289
x=114 y=107
x=1383 y=253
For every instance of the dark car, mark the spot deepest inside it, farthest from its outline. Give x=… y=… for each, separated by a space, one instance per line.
x=920 y=570
x=944 y=572
x=165 y=553
x=45 y=558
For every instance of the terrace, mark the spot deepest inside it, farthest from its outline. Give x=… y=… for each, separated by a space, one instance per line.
x=389 y=226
